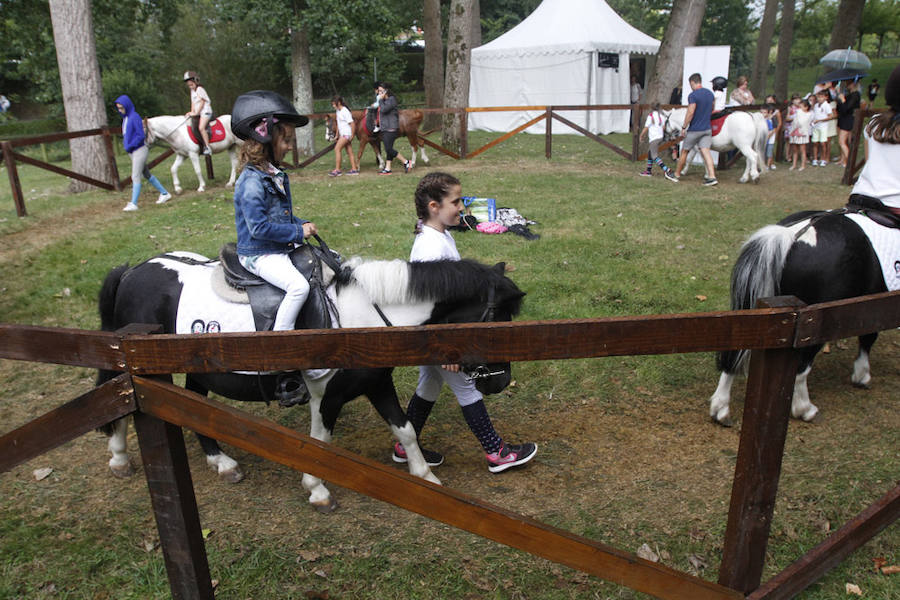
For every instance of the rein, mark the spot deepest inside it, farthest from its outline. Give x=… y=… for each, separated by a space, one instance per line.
x=166 y=136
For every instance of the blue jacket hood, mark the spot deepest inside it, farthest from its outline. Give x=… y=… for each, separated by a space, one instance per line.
x=132 y=125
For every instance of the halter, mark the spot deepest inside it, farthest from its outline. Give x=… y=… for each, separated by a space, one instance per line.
x=470 y=372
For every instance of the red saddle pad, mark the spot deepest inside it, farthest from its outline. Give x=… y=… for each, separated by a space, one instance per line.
x=216 y=133
x=717 y=124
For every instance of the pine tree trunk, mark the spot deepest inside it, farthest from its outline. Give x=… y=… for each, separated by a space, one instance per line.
x=301 y=80
x=434 y=62
x=783 y=59
x=759 y=77
x=682 y=30
x=82 y=90
x=459 y=55
x=846 y=23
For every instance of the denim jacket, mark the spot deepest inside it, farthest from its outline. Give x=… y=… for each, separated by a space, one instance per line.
x=263 y=215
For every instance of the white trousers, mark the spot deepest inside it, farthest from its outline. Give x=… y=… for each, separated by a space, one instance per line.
x=433 y=377
x=278 y=270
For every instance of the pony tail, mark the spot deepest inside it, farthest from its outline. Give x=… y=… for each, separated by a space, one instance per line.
x=885 y=127
x=418 y=228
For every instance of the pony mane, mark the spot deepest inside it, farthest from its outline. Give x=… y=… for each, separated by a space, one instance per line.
x=399 y=282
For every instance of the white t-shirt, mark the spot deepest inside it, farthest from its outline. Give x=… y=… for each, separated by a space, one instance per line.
x=636 y=91
x=344 y=121
x=880 y=177
x=802 y=122
x=431 y=244
x=820 y=113
x=196 y=96
x=719 y=100
x=654 y=125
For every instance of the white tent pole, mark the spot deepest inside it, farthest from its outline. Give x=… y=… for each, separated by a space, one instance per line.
x=590 y=90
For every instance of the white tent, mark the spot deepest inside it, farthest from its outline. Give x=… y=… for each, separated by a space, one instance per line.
x=562 y=54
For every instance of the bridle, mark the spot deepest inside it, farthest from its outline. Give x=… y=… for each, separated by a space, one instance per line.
x=470 y=372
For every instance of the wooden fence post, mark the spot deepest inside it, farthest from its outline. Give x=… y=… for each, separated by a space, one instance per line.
x=636 y=114
x=548 y=136
x=175 y=507
x=209 y=167
x=767 y=405
x=463 y=133
x=111 y=155
x=14 y=182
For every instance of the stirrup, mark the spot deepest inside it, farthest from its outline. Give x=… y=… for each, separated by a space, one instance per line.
x=290 y=389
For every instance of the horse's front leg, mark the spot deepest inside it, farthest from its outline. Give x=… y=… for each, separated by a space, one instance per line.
x=750 y=170
x=319 y=496
x=383 y=396
x=179 y=158
x=234 y=165
x=195 y=162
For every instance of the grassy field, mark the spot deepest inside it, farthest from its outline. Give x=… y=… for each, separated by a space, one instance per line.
x=627 y=454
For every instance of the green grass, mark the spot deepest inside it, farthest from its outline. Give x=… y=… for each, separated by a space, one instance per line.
x=627 y=455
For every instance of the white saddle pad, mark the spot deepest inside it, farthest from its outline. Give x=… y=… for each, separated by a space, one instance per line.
x=886 y=243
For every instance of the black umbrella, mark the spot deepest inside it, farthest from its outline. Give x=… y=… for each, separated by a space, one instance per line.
x=841 y=75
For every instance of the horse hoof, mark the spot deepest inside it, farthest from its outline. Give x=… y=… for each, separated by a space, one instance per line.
x=178 y=190
x=325 y=507
x=726 y=422
x=122 y=471
x=201 y=189
x=231 y=476
x=817 y=419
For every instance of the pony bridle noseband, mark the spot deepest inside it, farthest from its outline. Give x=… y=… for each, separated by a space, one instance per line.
x=470 y=372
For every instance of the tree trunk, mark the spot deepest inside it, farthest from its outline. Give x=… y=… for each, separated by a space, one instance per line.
x=759 y=77
x=682 y=30
x=846 y=23
x=82 y=90
x=301 y=80
x=783 y=59
x=459 y=54
x=434 y=62
x=476 y=24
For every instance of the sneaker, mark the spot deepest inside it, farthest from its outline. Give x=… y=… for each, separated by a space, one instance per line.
x=823 y=163
x=163 y=198
x=433 y=458
x=710 y=181
x=407 y=166
x=772 y=167
x=206 y=151
x=801 y=168
x=670 y=176
x=130 y=207
x=353 y=172
x=384 y=172
x=645 y=173
x=335 y=173
x=510 y=455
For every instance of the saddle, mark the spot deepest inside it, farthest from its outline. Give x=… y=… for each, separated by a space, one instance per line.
x=717 y=120
x=215 y=129
x=265 y=298
x=874 y=209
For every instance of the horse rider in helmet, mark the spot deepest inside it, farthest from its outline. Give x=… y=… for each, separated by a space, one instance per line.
x=201 y=110
x=719 y=97
x=267 y=230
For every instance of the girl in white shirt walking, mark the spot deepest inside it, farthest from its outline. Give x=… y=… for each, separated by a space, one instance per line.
x=345 y=126
x=438 y=203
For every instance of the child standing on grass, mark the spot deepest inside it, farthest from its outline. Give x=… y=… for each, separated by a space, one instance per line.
x=133 y=139
x=345 y=132
x=821 y=116
x=789 y=127
x=800 y=134
x=653 y=130
x=775 y=130
x=438 y=200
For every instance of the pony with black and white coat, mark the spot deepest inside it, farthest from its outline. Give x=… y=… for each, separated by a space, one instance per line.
x=364 y=293
x=817 y=257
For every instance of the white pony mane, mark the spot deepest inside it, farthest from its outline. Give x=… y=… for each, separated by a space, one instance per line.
x=383 y=281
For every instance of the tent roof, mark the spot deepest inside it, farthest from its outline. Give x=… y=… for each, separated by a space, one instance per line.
x=569 y=26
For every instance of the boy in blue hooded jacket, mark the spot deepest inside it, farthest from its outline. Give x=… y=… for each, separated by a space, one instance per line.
x=133 y=139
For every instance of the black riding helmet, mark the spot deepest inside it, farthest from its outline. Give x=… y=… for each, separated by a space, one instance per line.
x=253 y=107
x=719 y=83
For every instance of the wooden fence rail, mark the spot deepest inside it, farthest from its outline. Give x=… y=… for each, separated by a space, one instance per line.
x=775 y=332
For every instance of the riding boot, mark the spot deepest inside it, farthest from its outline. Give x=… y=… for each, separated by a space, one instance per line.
x=417 y=412
x=290 y=389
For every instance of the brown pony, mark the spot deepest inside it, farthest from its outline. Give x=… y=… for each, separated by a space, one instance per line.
x=410 y=120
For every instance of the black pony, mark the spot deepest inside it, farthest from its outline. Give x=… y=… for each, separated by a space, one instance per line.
x=817 y=257
x=180 y=292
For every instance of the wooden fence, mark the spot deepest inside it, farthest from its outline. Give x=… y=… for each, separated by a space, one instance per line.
x=549 y=114
x=775 y=331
